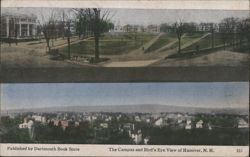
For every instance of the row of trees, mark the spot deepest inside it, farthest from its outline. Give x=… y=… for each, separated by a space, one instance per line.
x=88 y=21
x=232 y=30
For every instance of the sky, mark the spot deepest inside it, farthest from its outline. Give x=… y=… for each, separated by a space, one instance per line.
x=214 y=95
x=147 y=16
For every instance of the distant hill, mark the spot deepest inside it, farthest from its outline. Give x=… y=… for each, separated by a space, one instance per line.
x=141 y=108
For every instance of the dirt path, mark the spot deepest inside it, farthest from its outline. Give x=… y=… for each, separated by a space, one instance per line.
x=160 y=54
x=167 y=45
x=138 y=63
x=219 y=58
x=26 y=55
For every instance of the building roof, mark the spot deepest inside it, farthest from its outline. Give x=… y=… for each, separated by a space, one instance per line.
x=20 y=15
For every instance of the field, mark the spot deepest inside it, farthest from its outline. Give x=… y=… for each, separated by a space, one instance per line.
x=128 y=50
x=163 y=40
x=206 y=43
x=110 y=44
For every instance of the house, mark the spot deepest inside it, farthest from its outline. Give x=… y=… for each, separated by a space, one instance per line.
x=129 y=126
x=77 y=123
x=199 y=124
x=118 y=117
x=188 y=125
x=242 y=123
x=94 y=118
x=153 y=28
x=208 y=27
x=136 y=136
x=159 y=122
x=104 y=125
x=137 y=119
x=64 y=124
x=26 y=124
x=209 y=126
x=109 y=118
x=145 y=140
x=117 y=28
x=55 y=122
x=39 y=118
x=128 y=28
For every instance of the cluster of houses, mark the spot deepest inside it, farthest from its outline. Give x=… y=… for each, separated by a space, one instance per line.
x=201 y=27
x=129 y=122
x=136 y=28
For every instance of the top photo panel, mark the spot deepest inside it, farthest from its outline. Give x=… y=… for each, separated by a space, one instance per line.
x=93 y=37
x=120 y=40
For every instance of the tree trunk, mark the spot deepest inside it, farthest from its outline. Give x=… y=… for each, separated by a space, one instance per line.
x=68 y=47
x=179 y=46
x=96 y=47
x=212 y=40
x=249 y=46
x=240 y=43
x=48 y=45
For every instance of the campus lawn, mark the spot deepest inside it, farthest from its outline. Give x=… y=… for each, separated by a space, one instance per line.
x=205 y=43
x=162 y=41
x=110 y=44
x=185 y=39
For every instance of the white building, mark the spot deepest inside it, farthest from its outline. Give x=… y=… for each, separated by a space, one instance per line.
x=209 y=126
x=77 y=123
x=137 y=119
x=159 y=122
x=199 y=124
x=188 y=125
x=137 y=137
x=242 y=123
x=39 y=118
x=109 y=118
x=145 y=140
x=104 y=125
x=26 y=124
x=18 y=25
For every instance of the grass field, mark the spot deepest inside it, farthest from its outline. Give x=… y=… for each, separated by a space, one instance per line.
x=185 y=39
x=205 y=43
x=162 y=41
x=111 y=44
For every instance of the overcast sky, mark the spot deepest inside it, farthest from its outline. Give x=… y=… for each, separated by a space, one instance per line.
x=148 y=16
x=233 y=95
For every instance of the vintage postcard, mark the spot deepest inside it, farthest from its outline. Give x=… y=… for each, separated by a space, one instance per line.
x=157 y=36
x=124 y=78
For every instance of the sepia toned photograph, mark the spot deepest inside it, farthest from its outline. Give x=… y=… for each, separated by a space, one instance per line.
x=126 y=113
x=109 y=37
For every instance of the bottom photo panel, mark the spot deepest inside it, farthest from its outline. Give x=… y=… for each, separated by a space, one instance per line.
x=125 y=119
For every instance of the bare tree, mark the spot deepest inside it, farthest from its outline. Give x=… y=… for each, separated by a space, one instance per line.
x=47 y=26
x=228 y=29
x=246 y=30
x=212 y=34
x=68 y=34
x=98 y=22
x=179 y=30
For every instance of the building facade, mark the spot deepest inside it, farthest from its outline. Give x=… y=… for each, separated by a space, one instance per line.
x=18 y=25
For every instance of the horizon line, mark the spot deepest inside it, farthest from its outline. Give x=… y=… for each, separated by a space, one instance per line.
x=128 y=105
